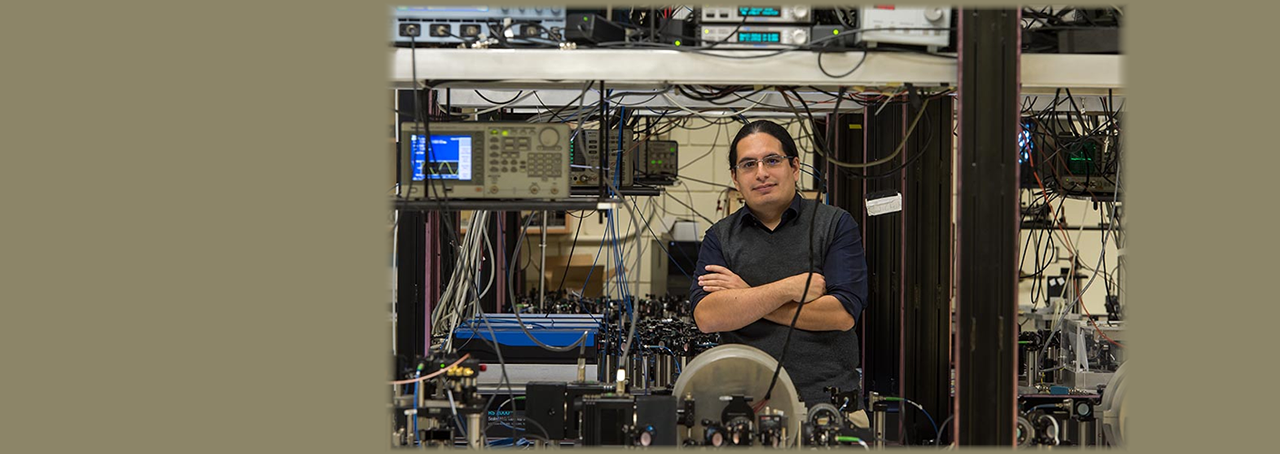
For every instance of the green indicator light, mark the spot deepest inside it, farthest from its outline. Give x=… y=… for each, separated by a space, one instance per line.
x=673 y=149
x=706 y=30
x=653 y=161
x=677 y=43
x=835 y=32
x=420 y=366
x=505 y=132
x=586 y=18
x=659 y=161
x=493 y=131
x=442 y=365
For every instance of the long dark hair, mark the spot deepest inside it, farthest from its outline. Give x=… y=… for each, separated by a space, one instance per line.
x=767 y=127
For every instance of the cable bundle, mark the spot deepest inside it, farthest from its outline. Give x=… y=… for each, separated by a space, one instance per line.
x=461 y=295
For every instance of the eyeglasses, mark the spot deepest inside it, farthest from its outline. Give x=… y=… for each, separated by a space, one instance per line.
x=770 y=162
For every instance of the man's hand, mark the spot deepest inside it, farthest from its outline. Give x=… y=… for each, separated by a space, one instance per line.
x=732 y=304
x=817 y=287
x=720 y=278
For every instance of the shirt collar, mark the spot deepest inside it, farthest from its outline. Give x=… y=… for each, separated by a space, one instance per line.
x=790 y=213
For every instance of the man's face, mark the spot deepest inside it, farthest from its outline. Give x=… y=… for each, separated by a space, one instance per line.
x=764 y=186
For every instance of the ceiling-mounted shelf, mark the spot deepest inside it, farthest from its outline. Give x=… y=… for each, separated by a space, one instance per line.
x=642 y=67
x=652 y=67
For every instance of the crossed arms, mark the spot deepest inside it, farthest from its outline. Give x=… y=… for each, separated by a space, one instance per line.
x=732 y=304
x=724 y=302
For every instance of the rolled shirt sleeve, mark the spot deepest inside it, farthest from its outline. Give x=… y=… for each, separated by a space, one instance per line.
x=845 y=268
x=708 y=254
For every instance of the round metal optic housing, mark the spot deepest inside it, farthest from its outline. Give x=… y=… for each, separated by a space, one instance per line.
x=737 y=369
x=1025 y=432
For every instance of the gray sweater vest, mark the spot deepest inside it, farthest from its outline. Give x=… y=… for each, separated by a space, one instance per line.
x=814 y=359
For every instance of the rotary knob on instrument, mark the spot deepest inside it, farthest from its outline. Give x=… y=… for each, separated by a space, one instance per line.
x=801 y=12
x=548 y=137
x=799 y=37
x=933 y=14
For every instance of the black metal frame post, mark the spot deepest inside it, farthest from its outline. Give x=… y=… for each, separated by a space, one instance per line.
x=882 y=323
x=512 y=225
x=410 y=286
x=987 y=227
x=926 y=315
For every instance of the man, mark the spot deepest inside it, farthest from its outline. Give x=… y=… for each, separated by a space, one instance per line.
x=753 y=265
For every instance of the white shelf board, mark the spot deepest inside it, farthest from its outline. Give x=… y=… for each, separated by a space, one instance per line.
x=1090 y=74
x=642 y=67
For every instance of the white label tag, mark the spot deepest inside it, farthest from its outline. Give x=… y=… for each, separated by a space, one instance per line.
x=884 y=205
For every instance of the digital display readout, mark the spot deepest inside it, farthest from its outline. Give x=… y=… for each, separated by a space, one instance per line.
x=759 y=37
x=759 y=11
x=451 y=157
